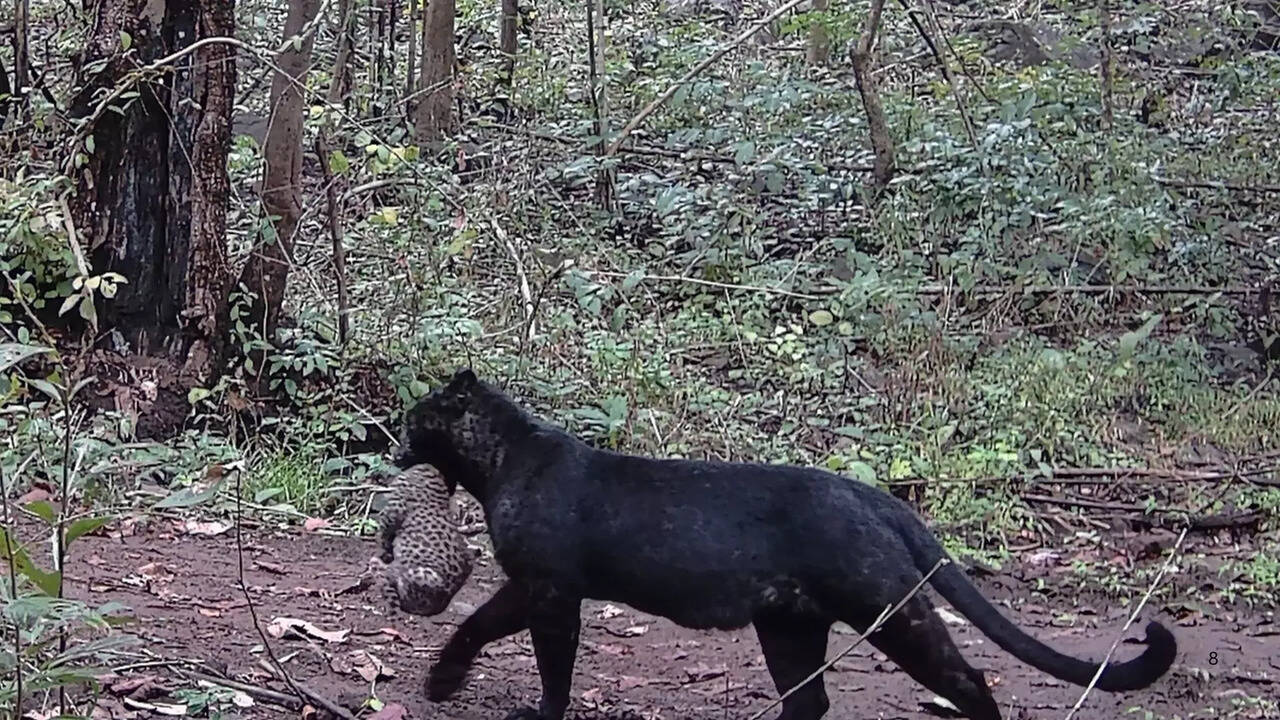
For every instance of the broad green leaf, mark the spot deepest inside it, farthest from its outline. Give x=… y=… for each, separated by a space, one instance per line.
x=1130 y=340
x=44 y=509
x=83 y=526
x=196 y=394
x=12 y=354
x=632 y=279
x=338 y=162
x=47 y=388
x=186 y=497
x=862 y=471
x=266 y=494
x=47 y=582
x=68 y=303
x=821 y=318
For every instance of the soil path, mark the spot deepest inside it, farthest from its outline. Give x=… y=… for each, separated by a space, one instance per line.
x=183 y=592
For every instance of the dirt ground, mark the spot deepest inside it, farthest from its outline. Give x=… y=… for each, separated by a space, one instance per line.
x=180 y=579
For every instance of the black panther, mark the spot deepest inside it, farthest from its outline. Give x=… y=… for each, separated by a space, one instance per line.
x=787 y=549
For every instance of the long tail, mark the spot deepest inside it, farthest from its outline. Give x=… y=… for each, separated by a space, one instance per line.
x=951 y=582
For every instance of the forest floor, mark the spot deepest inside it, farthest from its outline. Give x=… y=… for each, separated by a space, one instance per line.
x=180 y=579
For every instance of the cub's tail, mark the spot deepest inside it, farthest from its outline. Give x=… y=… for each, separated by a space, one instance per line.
x=951 y=582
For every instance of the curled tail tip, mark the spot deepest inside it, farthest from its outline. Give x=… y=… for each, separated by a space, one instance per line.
x=1161 y=646
x=1150 y=666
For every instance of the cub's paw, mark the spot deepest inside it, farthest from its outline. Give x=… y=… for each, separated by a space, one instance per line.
x=524 y=713
x=444 y=679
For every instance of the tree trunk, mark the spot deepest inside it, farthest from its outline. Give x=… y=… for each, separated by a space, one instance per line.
x=204 y=304
x=340 y=78
x=435 y=109
x=411 y=72
x=597 y=86
x=151 y=201
x=507 y=44
x=6 y=91
x=21 y=47
x=881 y=142
x=818 y=49
x=267 y=270
x=1105 y=68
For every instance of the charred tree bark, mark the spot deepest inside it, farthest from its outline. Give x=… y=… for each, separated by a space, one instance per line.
x=266 y=272
x=151 y=201
x=434 y=112
x=507 y=44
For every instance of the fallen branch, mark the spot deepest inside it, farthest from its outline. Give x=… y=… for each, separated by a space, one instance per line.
x=1216 y=521
x=884 y=616
x=670 y=92
x=1098 y=476
x=282 y=699
x=304 y=694
x=712 y=283
x=1173 y=553
x=1214 y=185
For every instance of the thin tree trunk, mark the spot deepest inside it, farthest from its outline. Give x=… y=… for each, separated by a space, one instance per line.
x=435 y=109
x=267 y=271
x=881 y=142
x=323 y=150
x=1106 y=67
x=411 y=72
x=597 y=86
x=393 y=19
x=340 y=77
x=21 y=47
x=335 y=237
x=818 y=49
x=380 y=42
x=507 y=43
x=6 y=93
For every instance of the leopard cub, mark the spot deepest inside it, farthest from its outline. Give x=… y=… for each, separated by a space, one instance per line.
x=426 y=558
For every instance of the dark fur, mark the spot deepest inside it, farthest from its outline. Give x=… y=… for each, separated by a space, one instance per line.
x=707 y=545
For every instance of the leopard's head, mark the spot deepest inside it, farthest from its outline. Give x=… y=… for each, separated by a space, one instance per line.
x=432 y=427
x=458 y=429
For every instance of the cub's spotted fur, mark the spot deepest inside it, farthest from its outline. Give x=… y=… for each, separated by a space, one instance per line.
x=427 y=560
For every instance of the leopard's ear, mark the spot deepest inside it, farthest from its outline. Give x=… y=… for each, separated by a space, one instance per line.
x=463 y=380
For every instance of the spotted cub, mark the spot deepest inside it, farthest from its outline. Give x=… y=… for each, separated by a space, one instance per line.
x=425 y=556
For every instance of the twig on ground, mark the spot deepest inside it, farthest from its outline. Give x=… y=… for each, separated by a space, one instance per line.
x=884 y=616
x=279 y=698
x=1173 y=554
x=1215 y=521
x=1094 y=476
x=304 y=695
x=1215 y=185
x=712 y=283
